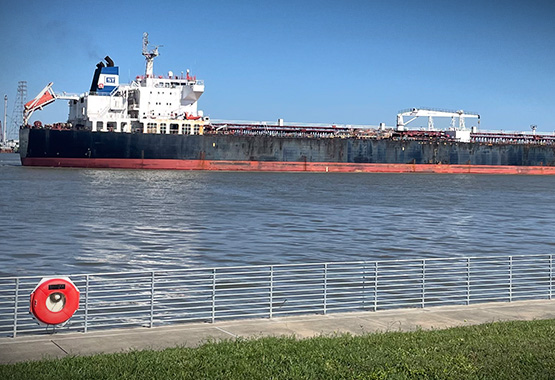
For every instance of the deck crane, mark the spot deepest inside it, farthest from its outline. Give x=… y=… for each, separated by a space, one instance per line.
x=431 y=113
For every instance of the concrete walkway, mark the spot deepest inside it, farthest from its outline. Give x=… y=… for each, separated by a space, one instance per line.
x=193 y=334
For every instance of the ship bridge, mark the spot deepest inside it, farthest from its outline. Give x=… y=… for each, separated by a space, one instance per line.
x=150 y=104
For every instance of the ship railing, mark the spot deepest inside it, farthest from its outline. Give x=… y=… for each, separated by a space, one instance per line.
x=100 y=93
x=293 y=124
x=512 y=138
x=163 y=297
x=181 y=79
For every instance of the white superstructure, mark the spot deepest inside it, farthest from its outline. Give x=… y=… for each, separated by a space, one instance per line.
x=150 y=104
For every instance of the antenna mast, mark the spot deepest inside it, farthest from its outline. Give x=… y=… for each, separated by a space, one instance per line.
x=149 y=56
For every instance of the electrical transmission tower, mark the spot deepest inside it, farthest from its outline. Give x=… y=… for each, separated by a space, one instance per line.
x=17 y=114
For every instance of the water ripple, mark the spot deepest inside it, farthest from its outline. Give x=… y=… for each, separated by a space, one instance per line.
x=79 y=220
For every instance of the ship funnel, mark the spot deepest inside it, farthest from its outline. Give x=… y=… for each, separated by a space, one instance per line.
x=109 y=61
x=105 y=79
x=96 y=76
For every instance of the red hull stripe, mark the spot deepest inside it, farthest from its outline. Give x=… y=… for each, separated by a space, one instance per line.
x=281 y=166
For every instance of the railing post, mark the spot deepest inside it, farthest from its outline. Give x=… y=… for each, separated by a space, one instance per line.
x=510 y=279
x=550 y=277
x=325 y=287
x=468 y=280
x=213 y=295
x=86 y=303
x=423 y=283
x=375 y=286
x=271 y=291
x=363 y=284
x=151 y=299
x=15 y=307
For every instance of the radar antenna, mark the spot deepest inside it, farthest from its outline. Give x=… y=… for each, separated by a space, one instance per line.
x=533 y=127
x=149 y=56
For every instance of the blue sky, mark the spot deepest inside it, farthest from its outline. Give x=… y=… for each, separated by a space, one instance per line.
x=348 y=62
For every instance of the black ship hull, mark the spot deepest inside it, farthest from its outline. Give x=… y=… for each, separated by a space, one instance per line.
x=75 y=148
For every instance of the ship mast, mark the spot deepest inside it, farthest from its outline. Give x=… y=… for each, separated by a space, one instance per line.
x=149 y=56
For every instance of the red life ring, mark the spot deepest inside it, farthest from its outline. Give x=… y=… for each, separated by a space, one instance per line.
x=54 y=300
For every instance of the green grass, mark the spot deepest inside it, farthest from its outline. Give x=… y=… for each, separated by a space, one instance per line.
x=508 y=350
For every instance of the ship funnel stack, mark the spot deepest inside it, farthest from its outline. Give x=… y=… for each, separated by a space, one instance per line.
x=106 y=77
x=109 y=61
x=149 y=56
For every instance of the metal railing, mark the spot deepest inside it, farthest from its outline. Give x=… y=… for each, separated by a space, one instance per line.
x=292 y=124
x=155 y=298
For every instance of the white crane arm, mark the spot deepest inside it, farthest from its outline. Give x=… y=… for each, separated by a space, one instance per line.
x=417 y=112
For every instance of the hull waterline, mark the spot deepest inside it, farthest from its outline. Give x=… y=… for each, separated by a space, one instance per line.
x=332 y=167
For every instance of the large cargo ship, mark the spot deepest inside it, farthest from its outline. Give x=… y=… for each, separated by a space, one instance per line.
x=154 y=123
